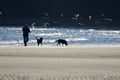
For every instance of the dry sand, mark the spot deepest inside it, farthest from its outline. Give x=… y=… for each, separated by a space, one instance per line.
x=60 y=63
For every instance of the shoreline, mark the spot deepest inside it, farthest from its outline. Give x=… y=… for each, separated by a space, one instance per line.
x=54 y=46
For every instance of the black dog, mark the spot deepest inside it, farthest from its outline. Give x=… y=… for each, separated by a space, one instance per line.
x=62 y=41
x=39 y=41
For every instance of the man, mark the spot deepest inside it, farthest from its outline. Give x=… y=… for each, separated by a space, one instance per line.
x=26 y=32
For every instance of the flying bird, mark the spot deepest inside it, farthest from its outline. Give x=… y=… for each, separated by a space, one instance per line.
x=0 y=13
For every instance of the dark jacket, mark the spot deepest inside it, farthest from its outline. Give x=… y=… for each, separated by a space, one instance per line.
x=25 y=30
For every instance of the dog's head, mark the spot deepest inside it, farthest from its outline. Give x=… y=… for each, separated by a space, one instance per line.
x=39 y=38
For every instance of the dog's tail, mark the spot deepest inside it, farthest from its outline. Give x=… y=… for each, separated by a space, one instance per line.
x=36 y=37
x=56 y=41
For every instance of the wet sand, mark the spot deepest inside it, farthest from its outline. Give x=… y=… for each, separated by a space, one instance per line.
x=60 y=62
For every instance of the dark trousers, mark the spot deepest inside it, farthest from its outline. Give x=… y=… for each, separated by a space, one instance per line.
x=25 y=37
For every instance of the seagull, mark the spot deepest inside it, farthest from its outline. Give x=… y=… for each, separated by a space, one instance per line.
x=61 y=15
x=108 y=19
x=33 y=25
x=96 y=22
x=46 y=14
x=46 y=23
x=103 y=15
x=90 y=17
x=80 y=23
x=76 y=17
x=0 y=13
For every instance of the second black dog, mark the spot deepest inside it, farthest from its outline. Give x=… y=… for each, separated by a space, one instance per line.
x=39 y=41
x=62 y=41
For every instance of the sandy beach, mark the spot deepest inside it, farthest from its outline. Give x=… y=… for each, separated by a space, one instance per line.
x=60 y=63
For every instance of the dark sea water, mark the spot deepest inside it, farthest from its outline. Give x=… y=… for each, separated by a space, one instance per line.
x=12 y=36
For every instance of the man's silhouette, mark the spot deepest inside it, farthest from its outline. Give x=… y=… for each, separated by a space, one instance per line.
x=26 y=32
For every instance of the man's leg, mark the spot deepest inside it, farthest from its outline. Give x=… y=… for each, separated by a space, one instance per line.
x=25 y=41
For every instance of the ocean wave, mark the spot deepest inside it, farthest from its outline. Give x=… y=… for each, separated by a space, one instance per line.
x=48 y=34
x=13 y=36
x=10 y=43
x=76 y=39
x=42 y=29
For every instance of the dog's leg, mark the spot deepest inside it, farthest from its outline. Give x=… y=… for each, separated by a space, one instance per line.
x=58 y=44
x=41 y=44
x=38 y=44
